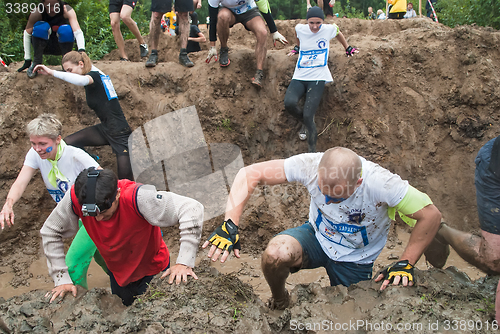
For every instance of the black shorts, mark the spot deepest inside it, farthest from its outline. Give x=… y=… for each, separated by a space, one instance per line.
x=115 y=6
x=246 y=16
x=118 y=141
x=183 y=6
x=397 y=16
x=326 y=8
x=161 y=6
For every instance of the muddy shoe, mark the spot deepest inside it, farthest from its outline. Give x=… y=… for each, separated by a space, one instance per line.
x=144 y=50
x=30 y=72
x=303 y=133
x=257 y=79
x=279 y=305
x=437 y=253
x=153 y=59
x=224 y=57
x=184 y=59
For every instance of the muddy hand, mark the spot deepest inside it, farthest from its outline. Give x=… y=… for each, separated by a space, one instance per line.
x=42 y=69
x=6 y=216
x=180 y=272
x=60 y=290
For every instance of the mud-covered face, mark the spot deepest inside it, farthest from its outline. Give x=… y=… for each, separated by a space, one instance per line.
x=45 y=146
x=314 y=24
x=74 y=68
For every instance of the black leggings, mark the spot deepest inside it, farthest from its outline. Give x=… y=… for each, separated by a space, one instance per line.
x=313 y=91
x=92 y=137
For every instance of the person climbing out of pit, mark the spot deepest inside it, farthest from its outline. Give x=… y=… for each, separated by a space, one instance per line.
x=353 y=202
x=59 y=165
x=481 y=251
x=52 y=29
x=102 y=98
x=224 y=14
x=123 y=218
x=265 y=11
x=311 y=71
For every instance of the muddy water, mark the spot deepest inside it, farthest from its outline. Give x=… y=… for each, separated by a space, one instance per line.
x=247 y=268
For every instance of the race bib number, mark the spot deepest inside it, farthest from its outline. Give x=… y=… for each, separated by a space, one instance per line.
x=108 y=87
x=242 y=8
x=312 y=58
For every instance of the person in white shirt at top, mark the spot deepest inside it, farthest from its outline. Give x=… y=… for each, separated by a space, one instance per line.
x=410 y=12
x=311 y=71
x=352 y=204
x=226 y=13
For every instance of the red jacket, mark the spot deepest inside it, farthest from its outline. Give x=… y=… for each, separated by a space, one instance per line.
x=131 y=247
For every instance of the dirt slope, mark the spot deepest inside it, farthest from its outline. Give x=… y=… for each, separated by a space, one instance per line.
x=419 y=99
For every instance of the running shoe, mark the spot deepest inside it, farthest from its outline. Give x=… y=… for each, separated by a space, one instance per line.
x=153 y=59
x=257 y=78
x=303 y=133
x=224 y=57
x=184 y=59
x=144 y=50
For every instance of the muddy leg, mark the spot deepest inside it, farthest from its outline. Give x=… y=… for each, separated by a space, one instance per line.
x=282 y=253
x=482 y=252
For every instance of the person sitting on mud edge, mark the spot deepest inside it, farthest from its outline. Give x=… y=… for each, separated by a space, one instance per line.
x=352 y=204
x=123 y=218
x=311 y=71
x=226 y=13
x=52 y=29
x=59 y=165
x=482 y=251
x=114 y=129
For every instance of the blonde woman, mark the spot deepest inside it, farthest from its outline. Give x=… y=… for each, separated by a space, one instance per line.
x=101 y=97
x=59 y=165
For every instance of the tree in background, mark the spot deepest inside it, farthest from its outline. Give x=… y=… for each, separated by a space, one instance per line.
x=459 y=12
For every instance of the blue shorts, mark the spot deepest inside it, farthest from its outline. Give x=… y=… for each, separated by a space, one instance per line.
x=313 y=256
x=487 y=191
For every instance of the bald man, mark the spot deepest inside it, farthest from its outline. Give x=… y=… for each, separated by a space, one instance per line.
x=353 y=202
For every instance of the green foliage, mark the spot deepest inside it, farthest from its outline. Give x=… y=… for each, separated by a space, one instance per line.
x=93 y=17
x=460 y=12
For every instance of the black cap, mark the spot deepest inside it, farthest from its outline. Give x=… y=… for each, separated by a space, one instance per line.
x=315 y=12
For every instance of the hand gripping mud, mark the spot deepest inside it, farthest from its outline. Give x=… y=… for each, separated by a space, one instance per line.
x=400 y=268
x=350 y=51
x=226 y=236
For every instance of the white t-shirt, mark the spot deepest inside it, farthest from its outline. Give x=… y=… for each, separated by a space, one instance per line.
x=236 y=6
x=312 y=64
x=72 y=162
x=356 y=229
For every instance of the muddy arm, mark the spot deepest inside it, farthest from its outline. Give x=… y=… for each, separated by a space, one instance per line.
x=62 y=223
x=428 y=220
x=164 y=209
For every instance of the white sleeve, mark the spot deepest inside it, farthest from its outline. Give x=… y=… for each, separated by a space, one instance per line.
x=83 y=158
x=385 y=186
x=31 y=159
x=80 y=39
x=62 y=223
x=164 y=209
x=72 y=78
x=302 y=167
x=27 y=45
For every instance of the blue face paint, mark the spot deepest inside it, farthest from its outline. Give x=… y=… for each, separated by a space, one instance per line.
x=49 y=149
x=332 y=199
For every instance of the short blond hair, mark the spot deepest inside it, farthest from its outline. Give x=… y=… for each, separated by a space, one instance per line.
x=45 y=125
